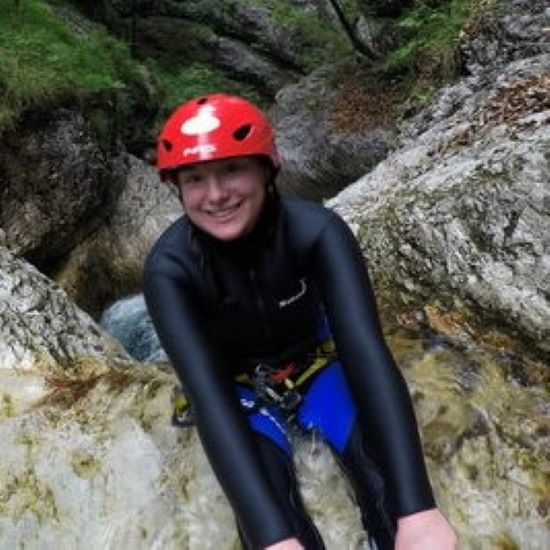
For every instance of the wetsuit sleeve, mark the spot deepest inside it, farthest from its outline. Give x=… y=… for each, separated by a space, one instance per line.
x=222 y=427
x=376 y=382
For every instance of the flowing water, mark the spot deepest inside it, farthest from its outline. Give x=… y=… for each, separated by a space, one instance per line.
x=485 y=430
x=127 y=320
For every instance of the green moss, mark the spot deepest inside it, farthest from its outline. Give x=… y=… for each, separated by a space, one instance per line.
x=186 y=82
x=84 y=464
x=428 y=32
x=427 y=54
x=175 y=87
x=324 y=39
x=43 y=60
x=7 y=408
x=25 y=494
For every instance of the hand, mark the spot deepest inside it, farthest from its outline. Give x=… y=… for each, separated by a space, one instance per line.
x=428 y=530
x=287 y=544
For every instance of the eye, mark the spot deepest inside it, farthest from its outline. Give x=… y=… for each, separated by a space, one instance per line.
x=231 y=167
x=191 y=178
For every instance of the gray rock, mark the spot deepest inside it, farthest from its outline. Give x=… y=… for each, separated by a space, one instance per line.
x=460 y=214
x=246 y=64
x=319 y=161
x=284 y=45
x=108 y=264
x=41 y=330
x=56 y=183
x=515 y=29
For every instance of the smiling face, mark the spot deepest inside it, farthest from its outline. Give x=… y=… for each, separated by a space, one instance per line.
x=223 y=197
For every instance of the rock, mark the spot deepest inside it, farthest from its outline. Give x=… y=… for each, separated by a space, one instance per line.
x=89 y=456
x=459 y=217
x=285 y=46
x=108 y=264
x=516 y=29
x=56 y=183
x=245 y=64
x=41 y=328
x=43 y=335
x=318 y=159
x=485 y=440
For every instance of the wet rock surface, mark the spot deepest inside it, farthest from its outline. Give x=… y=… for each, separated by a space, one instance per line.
x=89 y=456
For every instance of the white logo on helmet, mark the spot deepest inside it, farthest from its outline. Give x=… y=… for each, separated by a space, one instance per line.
x=200 y=150
x=201 y=123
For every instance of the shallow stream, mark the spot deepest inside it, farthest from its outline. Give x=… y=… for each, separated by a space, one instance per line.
x=485 y=429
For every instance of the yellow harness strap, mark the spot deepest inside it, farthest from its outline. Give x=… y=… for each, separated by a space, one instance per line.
x=325 y=353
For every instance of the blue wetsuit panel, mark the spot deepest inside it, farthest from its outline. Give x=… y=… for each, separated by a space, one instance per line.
x=267 y=421
x=329 y=407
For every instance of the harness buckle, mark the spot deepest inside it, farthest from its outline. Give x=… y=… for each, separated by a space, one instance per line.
x=274 y=387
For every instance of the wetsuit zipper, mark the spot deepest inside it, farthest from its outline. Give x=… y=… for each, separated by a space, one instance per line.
x=268 y=331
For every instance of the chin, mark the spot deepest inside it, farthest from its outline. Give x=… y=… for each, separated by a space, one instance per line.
x=226 y=233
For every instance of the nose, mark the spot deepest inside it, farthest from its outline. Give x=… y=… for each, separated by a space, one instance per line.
x=217 y=191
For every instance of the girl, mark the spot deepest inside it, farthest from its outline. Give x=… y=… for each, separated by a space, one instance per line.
x=265 y=308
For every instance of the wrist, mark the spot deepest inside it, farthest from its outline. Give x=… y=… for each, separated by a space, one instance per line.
x=416 y=516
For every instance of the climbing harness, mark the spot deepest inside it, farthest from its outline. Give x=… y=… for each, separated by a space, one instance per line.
x=279 y=387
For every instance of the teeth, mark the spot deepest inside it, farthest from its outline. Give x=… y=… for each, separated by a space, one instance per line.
x=223 y=212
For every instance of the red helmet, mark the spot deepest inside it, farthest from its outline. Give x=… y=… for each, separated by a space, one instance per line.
x=214 y=127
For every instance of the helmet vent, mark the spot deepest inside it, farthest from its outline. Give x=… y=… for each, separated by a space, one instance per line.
x=202 y=100
x=240 y=134
x=167 y=144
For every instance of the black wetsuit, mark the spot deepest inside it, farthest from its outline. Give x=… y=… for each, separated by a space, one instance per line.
x=221 y=307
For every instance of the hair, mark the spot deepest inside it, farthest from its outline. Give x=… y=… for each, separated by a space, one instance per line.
x=270 y=173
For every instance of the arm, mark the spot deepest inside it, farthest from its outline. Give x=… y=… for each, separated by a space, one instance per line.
x=378 y=386
x=223 y=430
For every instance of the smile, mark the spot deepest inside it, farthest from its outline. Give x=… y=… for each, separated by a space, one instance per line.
x=222 y=213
